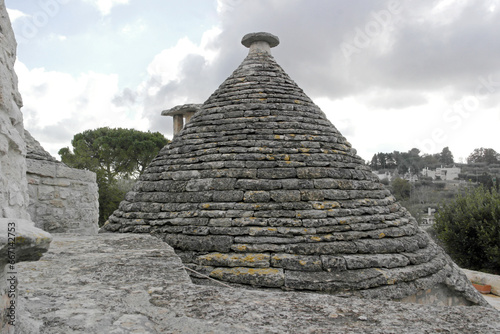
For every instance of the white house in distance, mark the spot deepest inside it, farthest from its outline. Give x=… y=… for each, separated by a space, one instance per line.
x=445 y=174
x=384 y=175
x=428 y=219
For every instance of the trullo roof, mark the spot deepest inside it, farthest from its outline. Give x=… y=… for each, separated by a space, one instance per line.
x=260 y=188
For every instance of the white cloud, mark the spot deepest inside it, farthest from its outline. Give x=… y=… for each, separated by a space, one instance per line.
x=58 y=105
x=15 y=14
x=227 y=5
x=134 y=29
x=105 y=6
x=166 y=65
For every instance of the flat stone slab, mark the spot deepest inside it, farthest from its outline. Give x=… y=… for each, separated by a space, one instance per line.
x=130 y=283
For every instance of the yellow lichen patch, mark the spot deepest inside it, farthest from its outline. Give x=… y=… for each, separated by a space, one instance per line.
x=242 y=248
x=302 y=262
x=220 y=272
x=287 y=157
x=270 y=157
x=251 y=258
x=262 y=271
x=20 y=240
x=304 y=150
x=342 y=222
x=292 y=134
x=261 y=230
x=316 y=238
x=206 y=206
x=263 y=99
x=277 y=137
x=214 y=256
x=325 y=151
x=381 y=235
x=297 y=101
x=319 y=206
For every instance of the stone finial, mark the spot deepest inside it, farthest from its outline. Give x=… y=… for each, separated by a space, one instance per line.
x=260 y=41
x=181 y=114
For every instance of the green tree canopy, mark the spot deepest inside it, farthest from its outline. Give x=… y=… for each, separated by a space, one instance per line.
x=487 y=155
x=113 y=154
x=446 y=157
x=469 y=227
x=401 y=188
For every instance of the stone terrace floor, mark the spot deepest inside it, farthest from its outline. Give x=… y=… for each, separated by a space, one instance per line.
x=129 y=283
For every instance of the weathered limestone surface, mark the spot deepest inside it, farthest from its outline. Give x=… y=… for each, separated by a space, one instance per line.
x=13 y=186
x=259 y=188
x=121 y=283
x=61 y=199
x=25 y=242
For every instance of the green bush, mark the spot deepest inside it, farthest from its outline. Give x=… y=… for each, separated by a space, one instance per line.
x=469 y=228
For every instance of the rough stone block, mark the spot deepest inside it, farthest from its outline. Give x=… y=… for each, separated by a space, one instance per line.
x=307 y=214
x=312 y=195
x=333 y=263
x=228 y=196
x=208 y=243
x=258 y=248
x=268 y=277
x=28 y=242
x=334 y=281
x=259 y=185
x=296 y=262
x=276 y=173
x=266 y=240
x=253 y=260
x=256 y=196
x=249 y=221
x=285 y=195
x=323 y=248
x=375 y=261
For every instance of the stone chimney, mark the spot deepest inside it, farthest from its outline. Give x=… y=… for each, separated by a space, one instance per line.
x=181 y=114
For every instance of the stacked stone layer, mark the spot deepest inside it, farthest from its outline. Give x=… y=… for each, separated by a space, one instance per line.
x=61 y=199
x=261 y=189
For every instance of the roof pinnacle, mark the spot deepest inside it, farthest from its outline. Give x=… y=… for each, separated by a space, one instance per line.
x=260 y=41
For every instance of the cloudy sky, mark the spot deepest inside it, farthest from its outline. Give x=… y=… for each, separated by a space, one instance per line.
x=390 y=75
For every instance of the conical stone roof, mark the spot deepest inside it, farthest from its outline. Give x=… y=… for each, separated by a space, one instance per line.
x=260 y=188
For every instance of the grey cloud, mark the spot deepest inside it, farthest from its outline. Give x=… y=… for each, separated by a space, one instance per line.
x=396 y=100
x=422 y=57
x=127 y=97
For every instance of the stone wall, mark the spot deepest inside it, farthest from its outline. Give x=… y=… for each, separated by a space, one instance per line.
x=62 y=199
x=13 y=186
x=20 y=240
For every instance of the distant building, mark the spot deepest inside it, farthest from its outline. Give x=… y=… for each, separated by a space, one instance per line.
x=429 y=219
x=383 y=175
x=445 y=174
x=411 y=177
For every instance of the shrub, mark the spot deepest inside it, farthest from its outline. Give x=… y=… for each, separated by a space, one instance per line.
x=469 y=228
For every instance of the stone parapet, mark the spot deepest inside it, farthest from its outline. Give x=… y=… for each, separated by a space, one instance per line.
x=484 y=278
x=62 y=199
